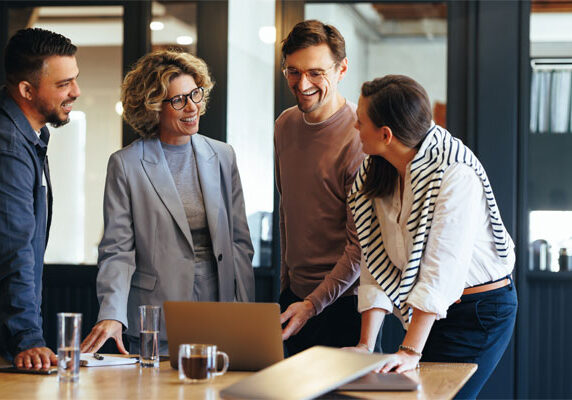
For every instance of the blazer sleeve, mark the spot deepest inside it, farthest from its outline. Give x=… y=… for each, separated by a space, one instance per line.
x=20 y=318
x=242 y=245
x=116 y=260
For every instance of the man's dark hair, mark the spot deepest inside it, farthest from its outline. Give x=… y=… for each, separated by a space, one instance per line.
x=313 y=33
x=28 y=49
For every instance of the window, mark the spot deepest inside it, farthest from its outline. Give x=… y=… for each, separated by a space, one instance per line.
x=391 y=38
x=251 y=38
x=79 y=151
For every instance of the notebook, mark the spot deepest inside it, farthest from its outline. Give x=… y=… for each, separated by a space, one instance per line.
x=306 y=375
x=48 y=371
x=382 y=382
x=250 y=333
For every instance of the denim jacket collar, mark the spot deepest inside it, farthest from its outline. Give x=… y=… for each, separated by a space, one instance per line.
x=11 y=109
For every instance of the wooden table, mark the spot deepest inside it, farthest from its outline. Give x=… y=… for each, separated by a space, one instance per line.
x=438 y=381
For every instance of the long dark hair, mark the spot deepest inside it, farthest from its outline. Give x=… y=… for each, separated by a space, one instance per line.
x=402 y=104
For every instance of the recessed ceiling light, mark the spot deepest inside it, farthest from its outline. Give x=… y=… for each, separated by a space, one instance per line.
x=156 y=26
x=184 y=40
x=267 y=34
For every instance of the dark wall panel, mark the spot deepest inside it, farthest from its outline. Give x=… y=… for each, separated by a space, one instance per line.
x=212 y=46
x=136 y=43
x=549 y=350
x=497 y=101
x=485 y=44
x=68 y=289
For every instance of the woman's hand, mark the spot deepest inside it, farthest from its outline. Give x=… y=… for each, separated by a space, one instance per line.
x=99 y=335
x=401 y=362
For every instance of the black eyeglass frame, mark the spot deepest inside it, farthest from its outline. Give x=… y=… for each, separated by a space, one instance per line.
x=186 y=98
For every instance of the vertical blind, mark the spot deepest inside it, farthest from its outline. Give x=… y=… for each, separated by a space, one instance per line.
x=551 y=96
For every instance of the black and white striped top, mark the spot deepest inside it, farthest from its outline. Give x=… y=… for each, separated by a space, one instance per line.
x=438 y=151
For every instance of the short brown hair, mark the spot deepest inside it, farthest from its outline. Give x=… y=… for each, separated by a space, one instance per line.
x=146 y=86
x=312 y=33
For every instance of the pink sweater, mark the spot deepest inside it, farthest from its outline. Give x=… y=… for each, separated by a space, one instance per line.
x=315 y=167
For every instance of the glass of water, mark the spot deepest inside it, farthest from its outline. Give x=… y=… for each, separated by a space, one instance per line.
x=69 y=333
x=149 y=317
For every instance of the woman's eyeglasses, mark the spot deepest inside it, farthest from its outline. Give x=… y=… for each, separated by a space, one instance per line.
x=179 y=101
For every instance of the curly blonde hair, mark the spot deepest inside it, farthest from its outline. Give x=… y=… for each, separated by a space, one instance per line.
x=146 y=85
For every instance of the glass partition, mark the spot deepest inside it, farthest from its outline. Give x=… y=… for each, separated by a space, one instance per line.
x=79 y=151
x=549 y=164
x=391 y=38
x=251 y=38
x=174 y=24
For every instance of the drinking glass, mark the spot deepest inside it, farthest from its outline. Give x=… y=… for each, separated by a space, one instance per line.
x=69 y=333
x=149 y=317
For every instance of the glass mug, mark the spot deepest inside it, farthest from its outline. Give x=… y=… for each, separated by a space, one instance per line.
x=198 y=362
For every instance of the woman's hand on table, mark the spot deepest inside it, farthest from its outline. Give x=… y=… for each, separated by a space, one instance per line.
x=102 y=331
x=402 y=361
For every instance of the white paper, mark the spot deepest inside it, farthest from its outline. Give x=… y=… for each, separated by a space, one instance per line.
x=88 y=360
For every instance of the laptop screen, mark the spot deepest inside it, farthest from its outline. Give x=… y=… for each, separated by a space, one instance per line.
x=250 y=333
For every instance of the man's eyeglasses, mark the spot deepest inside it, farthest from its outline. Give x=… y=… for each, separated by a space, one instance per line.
x=316 y=76
x=179 y=101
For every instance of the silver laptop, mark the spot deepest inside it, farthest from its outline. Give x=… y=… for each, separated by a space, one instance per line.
x=376 y=382
x=306 y=375
x=250 y=333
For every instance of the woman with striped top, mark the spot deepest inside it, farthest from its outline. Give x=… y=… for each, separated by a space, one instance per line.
x=435 y=251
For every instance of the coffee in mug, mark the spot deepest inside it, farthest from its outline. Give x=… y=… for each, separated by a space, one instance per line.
x=197 y=367
x=198 y=362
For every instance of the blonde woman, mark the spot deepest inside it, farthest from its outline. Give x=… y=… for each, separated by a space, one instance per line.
x=175 y=222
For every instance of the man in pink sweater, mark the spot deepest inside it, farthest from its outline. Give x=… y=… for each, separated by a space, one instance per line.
x=317 y=154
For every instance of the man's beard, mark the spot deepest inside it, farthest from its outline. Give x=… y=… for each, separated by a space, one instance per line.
x=51 y=115
x=55 y=121
x=309 y=108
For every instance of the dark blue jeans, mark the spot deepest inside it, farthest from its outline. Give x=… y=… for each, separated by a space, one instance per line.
x=476 y=330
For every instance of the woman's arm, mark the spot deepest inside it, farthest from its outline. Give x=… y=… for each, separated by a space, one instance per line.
x=116 y=261
x=410 y=351
x=371 y=321
x=373 y=304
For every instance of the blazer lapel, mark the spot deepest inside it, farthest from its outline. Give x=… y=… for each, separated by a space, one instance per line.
x=209 y=177
x=157 y=170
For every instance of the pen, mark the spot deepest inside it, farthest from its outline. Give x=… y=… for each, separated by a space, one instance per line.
x=97 y=356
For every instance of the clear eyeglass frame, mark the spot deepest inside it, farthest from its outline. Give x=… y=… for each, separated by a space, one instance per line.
x=179 y=101
x=314 y=75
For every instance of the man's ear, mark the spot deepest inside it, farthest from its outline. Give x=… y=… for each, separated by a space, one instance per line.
x=26 y=90
x=343 y=69
x=386 y=135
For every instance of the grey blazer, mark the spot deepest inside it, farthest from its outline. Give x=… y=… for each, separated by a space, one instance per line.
x=146 y=253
